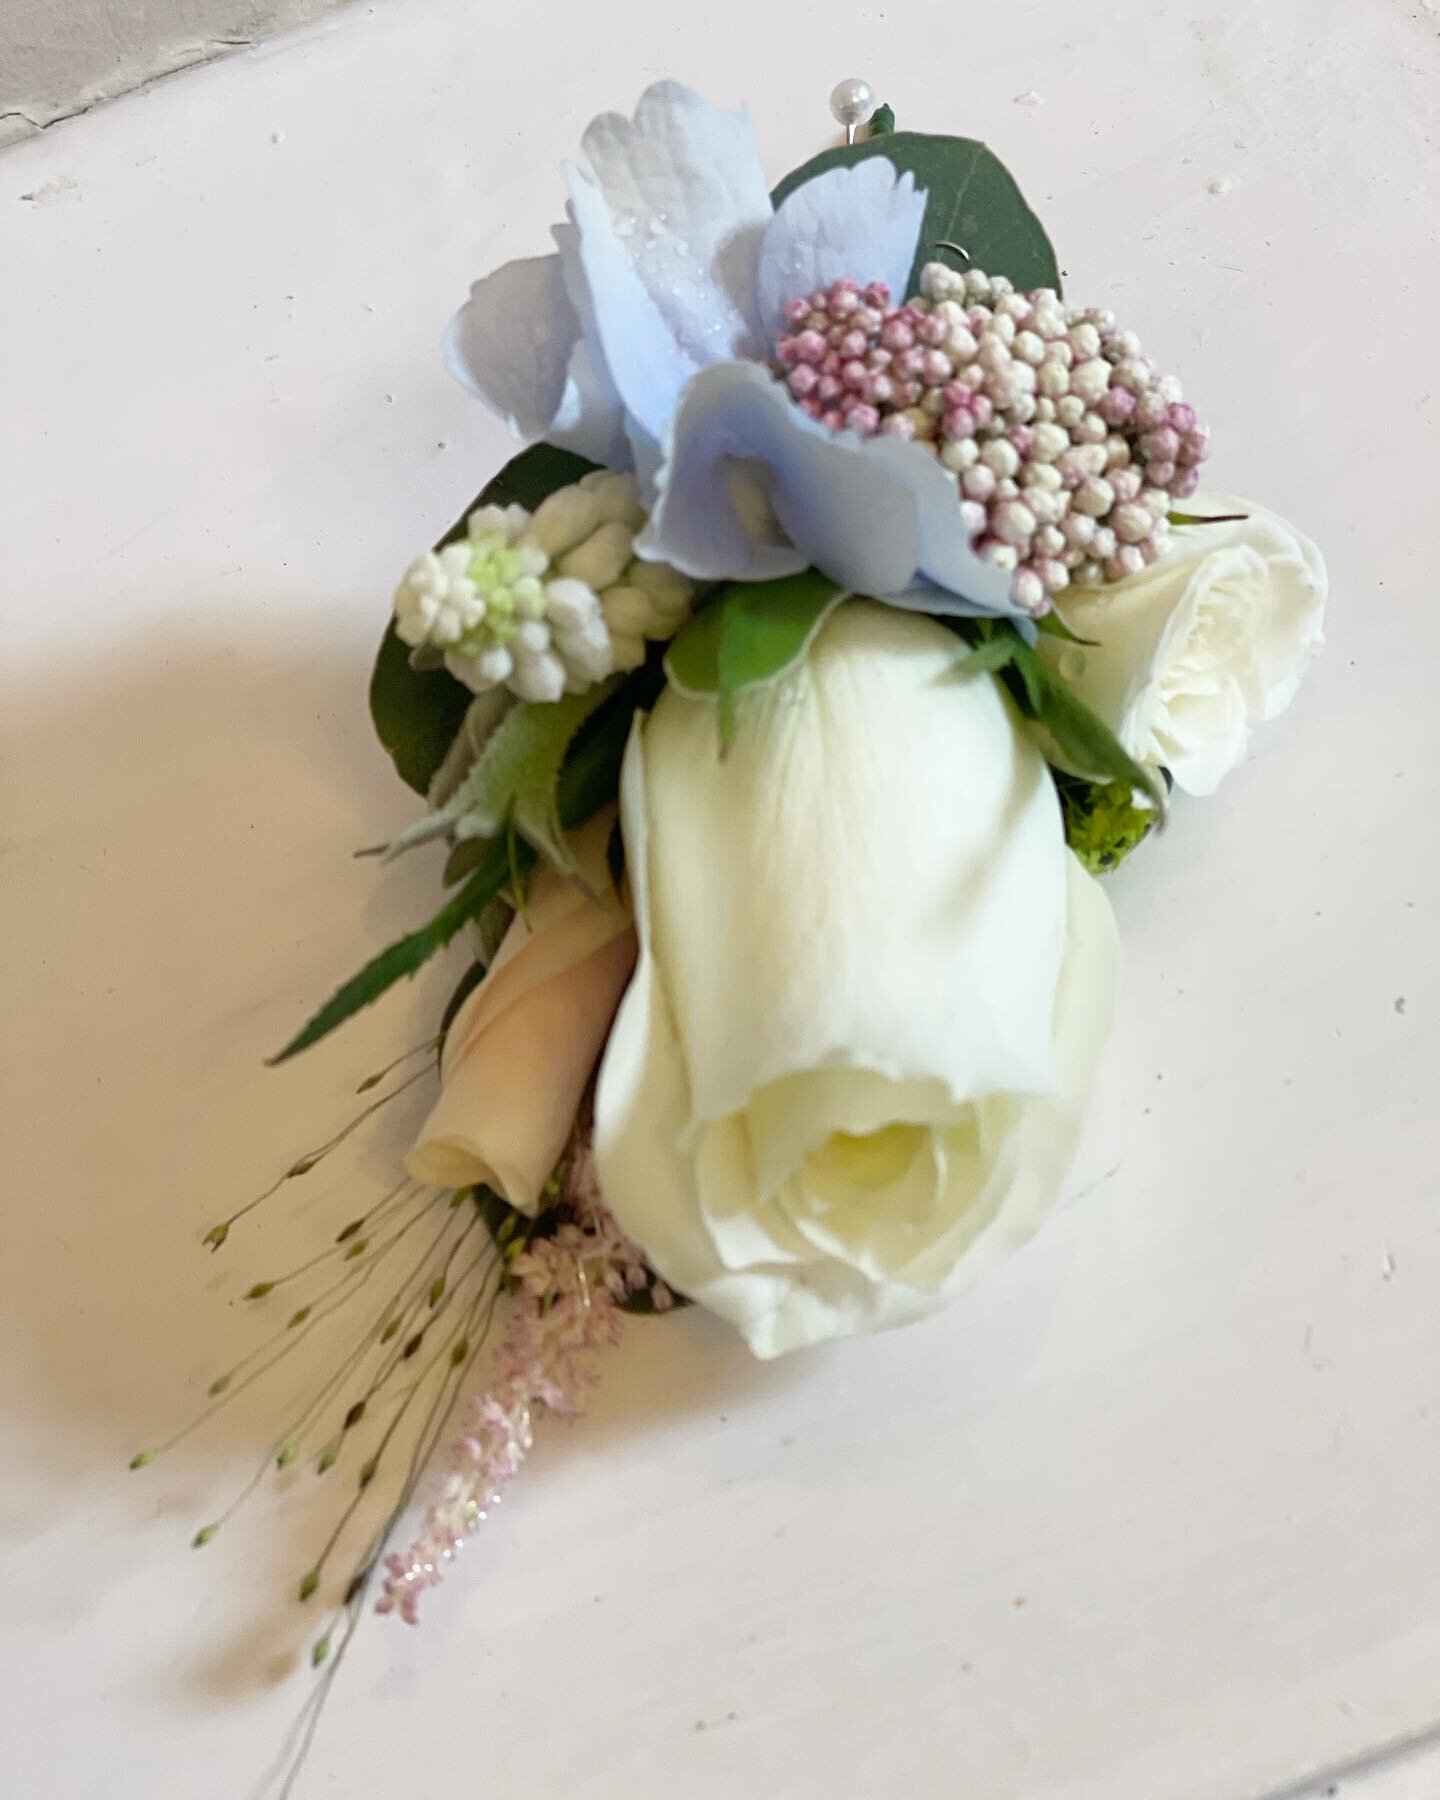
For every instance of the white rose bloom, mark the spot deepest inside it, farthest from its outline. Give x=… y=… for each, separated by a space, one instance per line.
x=873 y=985
x=1211 y=639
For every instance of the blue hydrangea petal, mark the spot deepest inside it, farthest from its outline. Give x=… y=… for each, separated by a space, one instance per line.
x=879 y=516
x=645 y=360
x=686 y=195
x=862 y=222
x=519 y=344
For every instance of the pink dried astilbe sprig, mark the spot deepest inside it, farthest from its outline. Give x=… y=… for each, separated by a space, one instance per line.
x=566 y=1308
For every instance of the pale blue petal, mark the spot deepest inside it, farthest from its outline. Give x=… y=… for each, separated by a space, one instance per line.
x=861 y=222
x=736 y=422
x=968 y=584
x=592 y=403
x=645 y=361
x=519 y=343
x=940 y=603
x=686 y=196
x=511 y=341
x=878 y=516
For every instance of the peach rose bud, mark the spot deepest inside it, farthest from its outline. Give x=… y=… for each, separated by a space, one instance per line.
x=524 y=1044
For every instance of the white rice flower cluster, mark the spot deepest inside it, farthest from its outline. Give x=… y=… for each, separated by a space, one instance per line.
x=544 y=603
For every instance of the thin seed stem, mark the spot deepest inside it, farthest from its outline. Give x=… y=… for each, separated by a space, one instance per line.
x=308 y=1722
x=354 y=1606
x=366 y=1340
x=479 y=1322
x=293 y=1338
x=304 y=1164
x=413 y=1307
x=342 y=1250
x=374 y=1080
x=442 y=1350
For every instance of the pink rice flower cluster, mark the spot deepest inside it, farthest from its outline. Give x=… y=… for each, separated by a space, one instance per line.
x=567 y=1307
x=1067 y=446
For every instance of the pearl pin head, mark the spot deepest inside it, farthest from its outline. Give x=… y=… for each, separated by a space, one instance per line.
x=852 y=102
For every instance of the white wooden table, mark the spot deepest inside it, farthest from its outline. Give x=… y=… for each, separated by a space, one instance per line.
x=1156 y=1515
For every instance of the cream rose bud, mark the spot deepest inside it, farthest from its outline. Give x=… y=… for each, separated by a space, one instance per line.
x=1211 y=639
x=873 y=984
x=524 y=1044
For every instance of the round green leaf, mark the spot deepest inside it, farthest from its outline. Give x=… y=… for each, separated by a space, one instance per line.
x=973 y=201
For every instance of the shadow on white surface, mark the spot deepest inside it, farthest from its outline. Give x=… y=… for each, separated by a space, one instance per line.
x=197 y=899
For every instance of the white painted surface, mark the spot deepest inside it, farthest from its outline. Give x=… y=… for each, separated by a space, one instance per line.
x=1194 y=1429
x=60 y=57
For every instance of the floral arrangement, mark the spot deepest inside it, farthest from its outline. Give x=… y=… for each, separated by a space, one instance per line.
x=853 y=607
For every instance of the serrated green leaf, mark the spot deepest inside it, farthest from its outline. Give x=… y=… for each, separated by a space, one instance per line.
x=588 y=780
x=468 y=982
x=973 y=201
x=748 y=635
x=514 y=778
x=536 y=810
x=409 y=954
x=989 y=656
x=465 y=856
x=1074 y=738
x=417 y=712
x=482 y=718
x=1054 y=624
x=591 y=776
x=882 y=121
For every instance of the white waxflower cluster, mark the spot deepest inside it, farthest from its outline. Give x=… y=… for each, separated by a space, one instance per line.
x=544 y=603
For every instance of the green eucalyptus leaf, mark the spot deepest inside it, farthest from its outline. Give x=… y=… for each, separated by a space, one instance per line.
x=418 y=711
x=748 y=635
x=973 y=201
